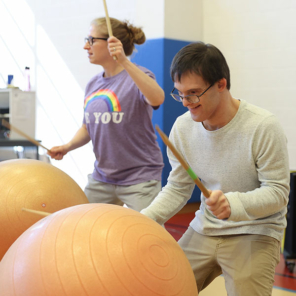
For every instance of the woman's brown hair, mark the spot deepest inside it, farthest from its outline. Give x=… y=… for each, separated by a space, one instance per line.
x=122 y=30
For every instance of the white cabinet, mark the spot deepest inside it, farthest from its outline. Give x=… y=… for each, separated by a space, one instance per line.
x=19 y=109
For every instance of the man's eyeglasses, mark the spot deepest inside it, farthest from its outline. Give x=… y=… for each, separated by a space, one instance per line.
x=91 y=39
x=192 y=99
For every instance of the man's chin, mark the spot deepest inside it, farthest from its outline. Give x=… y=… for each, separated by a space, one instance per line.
x=195 y=117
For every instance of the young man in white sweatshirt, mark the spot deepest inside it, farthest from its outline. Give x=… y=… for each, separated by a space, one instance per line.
x=240 y=154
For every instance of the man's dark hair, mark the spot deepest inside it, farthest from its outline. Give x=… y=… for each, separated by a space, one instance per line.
x=205 y=60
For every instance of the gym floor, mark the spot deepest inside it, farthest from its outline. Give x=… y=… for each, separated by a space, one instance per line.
x=285 y=281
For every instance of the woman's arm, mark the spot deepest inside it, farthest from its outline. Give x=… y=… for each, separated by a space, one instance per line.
x=80 y=138
x=153 y=93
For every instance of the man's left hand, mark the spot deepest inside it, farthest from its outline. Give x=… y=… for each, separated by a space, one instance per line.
x=218 y=204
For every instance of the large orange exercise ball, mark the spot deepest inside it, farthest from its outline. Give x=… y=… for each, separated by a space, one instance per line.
x=96 y=249
x=33 y=184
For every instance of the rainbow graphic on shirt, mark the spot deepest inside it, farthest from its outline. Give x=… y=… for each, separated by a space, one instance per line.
x=106 y=95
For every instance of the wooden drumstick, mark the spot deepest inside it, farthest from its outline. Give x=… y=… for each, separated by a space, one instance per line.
x=109 y=27
x=36 y=212
x=9 y=126
x=185 y=165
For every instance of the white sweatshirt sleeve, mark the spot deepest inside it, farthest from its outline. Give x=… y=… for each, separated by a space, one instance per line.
x=271 y=159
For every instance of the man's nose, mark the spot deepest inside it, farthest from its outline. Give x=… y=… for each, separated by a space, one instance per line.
x=185 y=102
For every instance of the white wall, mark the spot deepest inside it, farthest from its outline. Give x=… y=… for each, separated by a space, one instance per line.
x=256 y=36
x=258 y=39
x=183 y=19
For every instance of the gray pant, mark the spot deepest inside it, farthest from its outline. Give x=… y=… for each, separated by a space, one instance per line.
x=247 y=261
x=136 y=197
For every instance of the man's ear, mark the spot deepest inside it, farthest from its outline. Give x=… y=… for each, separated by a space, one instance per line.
x=222 y=84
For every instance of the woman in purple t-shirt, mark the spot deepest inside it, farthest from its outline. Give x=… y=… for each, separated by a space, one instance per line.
x=118 y=109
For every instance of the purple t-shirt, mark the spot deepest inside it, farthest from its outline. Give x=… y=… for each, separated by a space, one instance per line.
x=118 y=120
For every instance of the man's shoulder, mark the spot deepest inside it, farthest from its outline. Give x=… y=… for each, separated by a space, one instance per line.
x=256 y=110
x=256 y=116
x=253 y=115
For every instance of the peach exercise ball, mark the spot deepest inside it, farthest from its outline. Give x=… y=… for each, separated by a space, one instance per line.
x=33 y=184
x=96 y=249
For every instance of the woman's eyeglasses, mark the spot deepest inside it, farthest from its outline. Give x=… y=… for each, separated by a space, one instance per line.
x=91 y=39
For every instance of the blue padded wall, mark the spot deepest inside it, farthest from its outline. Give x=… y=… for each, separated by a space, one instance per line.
x=157 y=55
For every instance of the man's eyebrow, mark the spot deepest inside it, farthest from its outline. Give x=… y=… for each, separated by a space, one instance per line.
x=196 y=89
